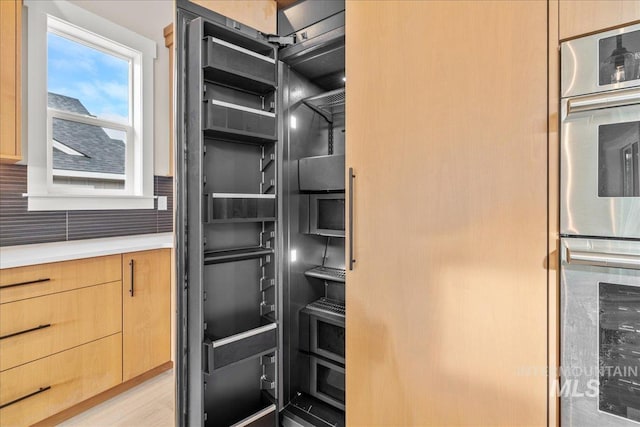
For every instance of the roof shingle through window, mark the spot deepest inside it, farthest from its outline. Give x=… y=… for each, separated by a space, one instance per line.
x=101 y=153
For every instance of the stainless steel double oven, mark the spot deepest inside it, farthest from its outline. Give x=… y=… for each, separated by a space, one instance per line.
x=600 y=229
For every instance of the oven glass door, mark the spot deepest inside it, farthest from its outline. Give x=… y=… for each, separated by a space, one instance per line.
x=619 y=350
x=600 y=339
x=600 y=168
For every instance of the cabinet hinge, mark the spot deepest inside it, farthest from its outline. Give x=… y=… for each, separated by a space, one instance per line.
x=279 y=40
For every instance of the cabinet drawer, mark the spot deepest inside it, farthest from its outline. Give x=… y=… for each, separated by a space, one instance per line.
x=72 y=376
x=43 y=279
x=37 y=327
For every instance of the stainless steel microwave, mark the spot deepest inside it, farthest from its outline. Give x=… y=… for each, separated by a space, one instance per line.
x=322 y=214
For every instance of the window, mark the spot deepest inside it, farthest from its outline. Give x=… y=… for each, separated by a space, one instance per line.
x=90 y=111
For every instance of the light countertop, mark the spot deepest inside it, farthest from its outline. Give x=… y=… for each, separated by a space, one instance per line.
x=39 y=253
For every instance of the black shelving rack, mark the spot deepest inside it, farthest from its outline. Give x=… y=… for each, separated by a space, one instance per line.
x=230 y=180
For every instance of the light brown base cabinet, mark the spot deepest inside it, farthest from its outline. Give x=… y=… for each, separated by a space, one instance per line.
x=73 y=330
x=146 y=300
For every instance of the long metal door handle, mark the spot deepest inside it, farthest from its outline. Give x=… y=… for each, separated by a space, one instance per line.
x=131 y=264
x=30 y=282
x=352 y=259
x=37 y=328
x=40 y=390
x=599 y=259
x=599 y=101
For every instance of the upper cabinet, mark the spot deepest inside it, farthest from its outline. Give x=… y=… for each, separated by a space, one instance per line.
x=258 y=14
x=578 y=17
x=10 y=36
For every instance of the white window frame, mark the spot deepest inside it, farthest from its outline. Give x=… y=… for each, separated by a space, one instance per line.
x=72 y=22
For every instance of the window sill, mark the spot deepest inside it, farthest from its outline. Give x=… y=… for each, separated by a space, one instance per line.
x=81 y=202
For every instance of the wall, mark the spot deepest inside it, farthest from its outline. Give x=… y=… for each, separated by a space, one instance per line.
x=19 y=227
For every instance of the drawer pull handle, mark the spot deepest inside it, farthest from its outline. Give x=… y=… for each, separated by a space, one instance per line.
x=37 y=328
x=40 y=390
x=30 y=282
x=131 y=288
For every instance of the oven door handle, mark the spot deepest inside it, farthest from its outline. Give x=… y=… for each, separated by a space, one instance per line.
x=599 y=259
x=619 y=98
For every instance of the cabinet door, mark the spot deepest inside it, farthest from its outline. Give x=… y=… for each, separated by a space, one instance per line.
x=146 y=295
x=10 y=36
x=258 y=14
x=578 y=17
x=447 y=301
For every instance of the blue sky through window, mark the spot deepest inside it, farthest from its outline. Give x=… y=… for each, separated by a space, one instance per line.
x=99 y=80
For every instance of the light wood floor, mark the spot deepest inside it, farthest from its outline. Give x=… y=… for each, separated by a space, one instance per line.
x=151 y=404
